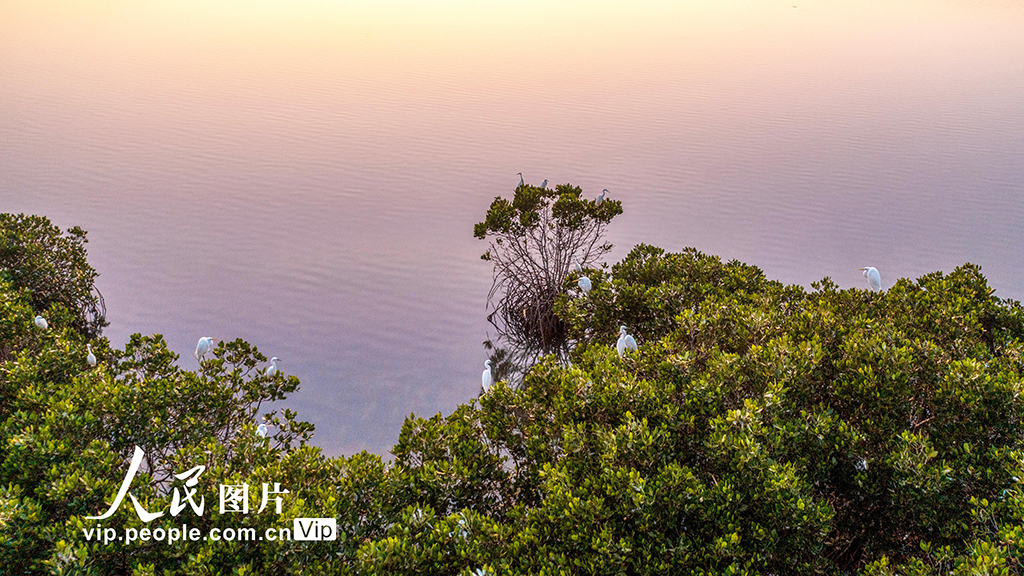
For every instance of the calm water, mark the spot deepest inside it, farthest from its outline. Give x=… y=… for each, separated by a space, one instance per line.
x=306 y=174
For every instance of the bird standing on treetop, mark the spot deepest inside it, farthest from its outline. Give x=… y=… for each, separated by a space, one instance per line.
x=544 y=184
x=41 y=322
x=485 y=378
x=273 y=367
x=91 y=358
x=584 y=284
x=625 y=342
x=521 y=181
x=203 y=346
x=874 y=279
x=600 y=197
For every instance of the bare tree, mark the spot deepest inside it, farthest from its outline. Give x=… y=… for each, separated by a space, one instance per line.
x=534 y=240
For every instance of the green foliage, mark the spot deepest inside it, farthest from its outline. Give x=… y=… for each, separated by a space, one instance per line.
x=759 y=429
x=524 y=212
x=37 y=257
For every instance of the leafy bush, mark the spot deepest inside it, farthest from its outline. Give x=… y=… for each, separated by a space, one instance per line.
x=759 y=429
x=36 y=256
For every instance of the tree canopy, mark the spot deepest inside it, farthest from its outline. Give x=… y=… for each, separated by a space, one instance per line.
x=51 y=266
x=759 y=429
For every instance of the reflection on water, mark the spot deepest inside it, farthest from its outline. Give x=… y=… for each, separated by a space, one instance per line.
x=306 y=174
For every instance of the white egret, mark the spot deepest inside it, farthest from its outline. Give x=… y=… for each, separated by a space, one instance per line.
x=91 y=358
x=41 y=322
x=874 y=279
x=626 y=341
x=576 y=265
x=544 y=184
x=521 y=181
x=600 y=197
x=584 y=284
x=273 y=367
x=485 y=378
x=261 y=430
x=204 y=345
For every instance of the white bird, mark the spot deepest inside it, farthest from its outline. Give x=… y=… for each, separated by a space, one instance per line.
x=41 y=322
x=626 y=341
x=91 y=358
x=261 y=430
x=273 y=367
x=544 y=184
x=576 y=265
x=485 y=378
x=521 y=181
x=600 y=197
x=584 y=284
x=874 y=279
x=204 y=345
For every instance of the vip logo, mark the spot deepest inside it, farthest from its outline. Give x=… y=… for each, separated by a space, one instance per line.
x=315 y=529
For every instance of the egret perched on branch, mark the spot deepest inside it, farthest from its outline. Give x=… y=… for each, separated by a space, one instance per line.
x=272 y=370
x=261 y=430
x=600 y=197
x=626 y=341
x=41 y=322
x=204 y=345
x=584 y=284
x=576 y=265
x=91 y=358
x=521 y=181
x=485 y=378
x=544 y=184
x=874 y=279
